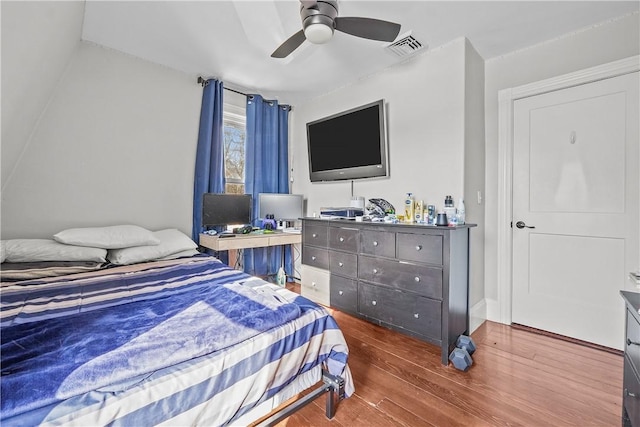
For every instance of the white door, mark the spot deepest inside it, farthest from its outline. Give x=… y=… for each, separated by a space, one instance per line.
x=575 y=179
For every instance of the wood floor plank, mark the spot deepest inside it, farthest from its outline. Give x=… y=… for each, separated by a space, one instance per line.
x=555 y=349
x=517 y=378
x=427 y=356
x=435 y=410
x=399 y=413
x=544 y=390
x=569 y=364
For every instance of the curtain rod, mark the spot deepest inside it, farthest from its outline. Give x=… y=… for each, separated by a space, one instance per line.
x=203 y=82
x=236 y=91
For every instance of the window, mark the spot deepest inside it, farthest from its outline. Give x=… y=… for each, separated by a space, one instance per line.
x=234 y=124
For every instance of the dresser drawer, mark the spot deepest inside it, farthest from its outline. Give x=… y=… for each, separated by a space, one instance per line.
x=315 y=284
x=344 y=293
x=416 y=314
x=632 y=341
x=343 y=239
x=404 y=276
x=631 y=394
x=419 y=247
x=315 y=257
x=314 y=235
x=344 y=264
x=378 y=243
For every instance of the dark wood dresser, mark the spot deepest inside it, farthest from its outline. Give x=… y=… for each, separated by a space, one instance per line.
x=631 y=384
x=411 y=278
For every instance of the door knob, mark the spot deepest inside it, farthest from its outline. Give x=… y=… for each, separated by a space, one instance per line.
x=521 y=224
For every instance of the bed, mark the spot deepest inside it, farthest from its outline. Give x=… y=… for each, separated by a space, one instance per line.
x=182 y=341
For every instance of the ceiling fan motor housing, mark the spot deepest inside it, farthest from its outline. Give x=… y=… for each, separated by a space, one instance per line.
x=323 y=12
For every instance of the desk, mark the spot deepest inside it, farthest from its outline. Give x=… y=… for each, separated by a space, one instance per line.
x=248 y=241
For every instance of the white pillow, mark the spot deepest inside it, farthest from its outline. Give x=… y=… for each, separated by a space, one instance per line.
x=34 y=250
x=3 y=251
x=113 y=237
x=181 y=254
x=171 y=241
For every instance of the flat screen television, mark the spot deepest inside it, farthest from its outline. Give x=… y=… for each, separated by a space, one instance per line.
x=226 y=209
x=283 y=207
x=349 y=145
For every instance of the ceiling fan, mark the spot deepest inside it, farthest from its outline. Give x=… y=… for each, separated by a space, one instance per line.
x=320 y=19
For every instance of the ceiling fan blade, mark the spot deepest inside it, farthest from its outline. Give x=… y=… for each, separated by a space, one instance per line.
x=291 y=44
x=368 y=28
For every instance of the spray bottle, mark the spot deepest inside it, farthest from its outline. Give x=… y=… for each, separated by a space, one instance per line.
x=461 y=212
x=281 y=277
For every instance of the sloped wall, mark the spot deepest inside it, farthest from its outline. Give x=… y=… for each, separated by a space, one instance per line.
x=116 y=144
x=38 y=41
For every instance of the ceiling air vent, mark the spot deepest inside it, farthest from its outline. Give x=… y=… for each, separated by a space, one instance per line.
x=406 y=45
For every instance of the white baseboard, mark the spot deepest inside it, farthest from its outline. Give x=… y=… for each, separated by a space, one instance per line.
x=487 y=309
x=493 y=310
x=477 y=315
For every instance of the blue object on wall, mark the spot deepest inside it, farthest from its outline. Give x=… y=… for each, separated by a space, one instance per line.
x=209 y=173
x=267 y=171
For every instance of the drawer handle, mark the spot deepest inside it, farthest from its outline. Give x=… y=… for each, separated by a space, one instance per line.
x=340 y=292
x=418 y=247
x=374 y=302
x=340 y=264
x=314 y=235
x=417 y=279
x=627 y=393
x=375 y=243
x=313 y=284
x=416 y=315
x=313 y=258
x=375 y=271
x=629 y=342
x=341 y=239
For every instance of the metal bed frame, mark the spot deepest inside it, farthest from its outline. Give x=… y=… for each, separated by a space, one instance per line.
x=334 y=385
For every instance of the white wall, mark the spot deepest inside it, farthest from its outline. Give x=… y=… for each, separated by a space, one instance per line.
x=115 y=144
x=474 y=172
x=425 y=121
x=604 y=43
x=435 y=123
x=38 y=40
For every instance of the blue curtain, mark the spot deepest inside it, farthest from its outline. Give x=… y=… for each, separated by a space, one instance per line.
x=209 y=175
x=267 y=171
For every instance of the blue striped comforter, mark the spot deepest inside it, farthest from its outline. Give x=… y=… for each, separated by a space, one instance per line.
x=84 y=340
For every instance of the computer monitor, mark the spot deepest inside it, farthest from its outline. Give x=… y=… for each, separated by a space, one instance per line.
x=226 y=209
x=283 y=207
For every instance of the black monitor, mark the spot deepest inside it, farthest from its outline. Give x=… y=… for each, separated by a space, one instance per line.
x=283 y=207
x=226 y=209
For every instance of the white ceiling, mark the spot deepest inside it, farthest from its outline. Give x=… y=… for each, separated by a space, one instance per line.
x=233 y=40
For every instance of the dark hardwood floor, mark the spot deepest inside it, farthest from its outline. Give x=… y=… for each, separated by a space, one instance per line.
x=518 y=378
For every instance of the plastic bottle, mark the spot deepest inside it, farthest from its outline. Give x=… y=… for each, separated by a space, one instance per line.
x=409 y=208
x=461 y=212
x=450 y=210
x=281 y=277
x=419 y=211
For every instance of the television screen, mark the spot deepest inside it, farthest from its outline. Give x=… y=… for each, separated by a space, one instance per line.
x=349 y=145
x=226 y=209
x=283 y=207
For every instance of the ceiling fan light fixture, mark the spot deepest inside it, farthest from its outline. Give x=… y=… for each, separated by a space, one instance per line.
x=318 y=33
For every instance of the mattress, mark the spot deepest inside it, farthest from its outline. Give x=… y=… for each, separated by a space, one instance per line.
x=187 y=341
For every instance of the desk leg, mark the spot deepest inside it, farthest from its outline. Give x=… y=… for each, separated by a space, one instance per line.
x=233 y=257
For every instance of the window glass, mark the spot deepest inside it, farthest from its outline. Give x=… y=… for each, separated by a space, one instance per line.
x=234 y=121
